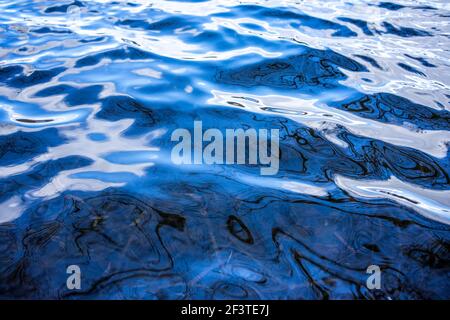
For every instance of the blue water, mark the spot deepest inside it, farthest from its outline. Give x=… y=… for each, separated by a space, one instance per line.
x=90 y=92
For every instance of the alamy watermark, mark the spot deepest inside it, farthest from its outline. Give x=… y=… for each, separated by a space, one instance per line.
x=237 y=146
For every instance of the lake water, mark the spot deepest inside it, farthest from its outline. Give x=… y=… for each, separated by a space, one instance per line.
x=91 y=91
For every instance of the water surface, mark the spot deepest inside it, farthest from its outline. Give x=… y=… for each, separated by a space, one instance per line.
x=90 y=92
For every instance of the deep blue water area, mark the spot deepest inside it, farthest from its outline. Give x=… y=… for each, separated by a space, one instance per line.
x=90 y=92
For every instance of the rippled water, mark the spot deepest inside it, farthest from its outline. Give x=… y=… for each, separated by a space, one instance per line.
x=90 y=92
